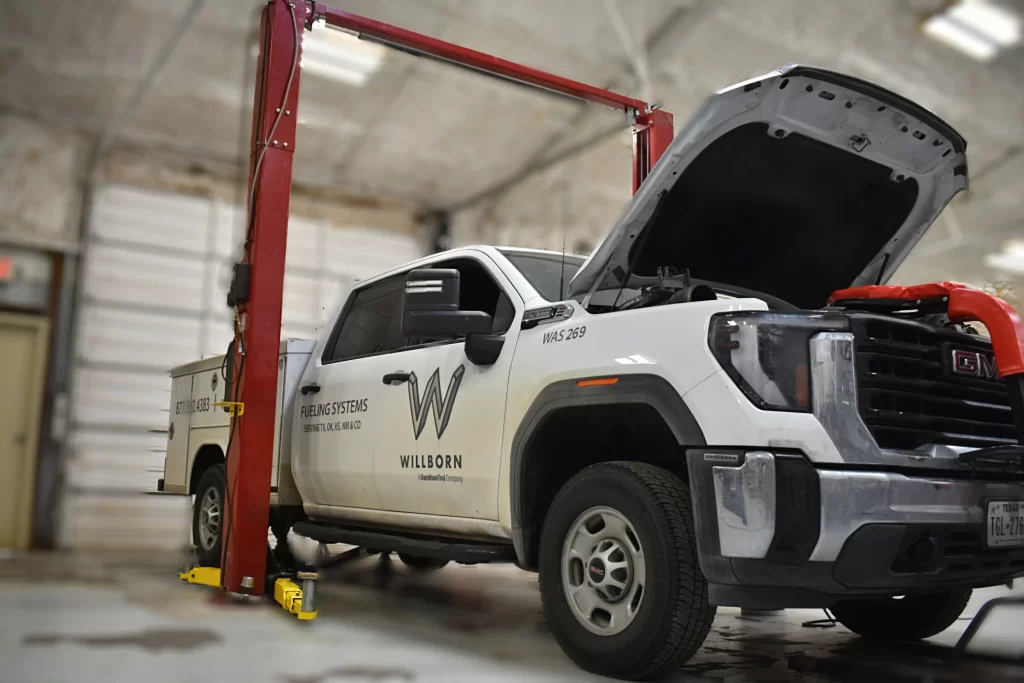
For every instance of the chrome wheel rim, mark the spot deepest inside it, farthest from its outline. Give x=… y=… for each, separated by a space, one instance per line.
x=209 y=519
x=603 y=571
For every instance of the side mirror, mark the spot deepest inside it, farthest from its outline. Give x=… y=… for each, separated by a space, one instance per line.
x=484 y=349
x=430 y=307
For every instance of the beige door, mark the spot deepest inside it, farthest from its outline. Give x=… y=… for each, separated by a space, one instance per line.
x=23 y=342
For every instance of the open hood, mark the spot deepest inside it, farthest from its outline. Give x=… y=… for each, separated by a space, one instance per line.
x=794 y=185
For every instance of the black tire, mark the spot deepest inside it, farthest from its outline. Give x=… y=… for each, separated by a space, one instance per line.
x=421 y=564
x=674 y=617
x=208 y=553
x=912 y=617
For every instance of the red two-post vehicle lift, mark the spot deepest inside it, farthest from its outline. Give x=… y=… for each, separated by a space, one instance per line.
x=257 y=289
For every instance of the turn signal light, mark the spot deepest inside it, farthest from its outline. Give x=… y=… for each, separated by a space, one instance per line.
x=600 y=382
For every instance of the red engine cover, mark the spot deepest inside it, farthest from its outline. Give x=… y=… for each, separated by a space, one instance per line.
x=965 y=305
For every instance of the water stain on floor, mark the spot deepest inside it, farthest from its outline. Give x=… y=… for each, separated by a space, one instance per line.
x=733 y=660
x=762 y=639
x=354 y=673
x=151 y=640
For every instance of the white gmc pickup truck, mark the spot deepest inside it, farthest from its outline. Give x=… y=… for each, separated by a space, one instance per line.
x=687 y=418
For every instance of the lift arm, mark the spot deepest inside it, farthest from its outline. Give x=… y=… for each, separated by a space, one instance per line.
x=257 y=336
x=652 y=128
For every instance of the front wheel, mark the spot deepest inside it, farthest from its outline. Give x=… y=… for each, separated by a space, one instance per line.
x=208 y=516
x=911 y=617
x=620 y=579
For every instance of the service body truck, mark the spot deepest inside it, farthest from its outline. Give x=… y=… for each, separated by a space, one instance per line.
x=678 y=421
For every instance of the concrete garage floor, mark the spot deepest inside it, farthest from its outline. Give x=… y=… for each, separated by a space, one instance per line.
x=88 y=618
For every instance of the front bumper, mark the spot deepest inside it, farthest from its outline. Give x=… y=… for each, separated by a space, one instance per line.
x=774 y=531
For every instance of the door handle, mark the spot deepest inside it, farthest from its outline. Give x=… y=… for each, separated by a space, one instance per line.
x=310 y=389
x=395 y=377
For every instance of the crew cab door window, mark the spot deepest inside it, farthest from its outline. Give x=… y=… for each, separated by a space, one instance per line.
x=339 y=417
x=440 y=451
x=371 y=323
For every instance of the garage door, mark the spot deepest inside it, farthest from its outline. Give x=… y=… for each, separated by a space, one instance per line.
x=156 y=269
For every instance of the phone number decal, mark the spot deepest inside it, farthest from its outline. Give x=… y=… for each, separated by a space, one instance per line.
x=196 y=405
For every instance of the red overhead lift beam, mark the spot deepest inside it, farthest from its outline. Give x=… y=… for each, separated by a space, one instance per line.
x=257 y=336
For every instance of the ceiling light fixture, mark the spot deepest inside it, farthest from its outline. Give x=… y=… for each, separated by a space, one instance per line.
x=339 y=56
x=980 y=29
x=1010 y=259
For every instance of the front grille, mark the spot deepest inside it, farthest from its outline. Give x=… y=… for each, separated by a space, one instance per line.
x=908 y=396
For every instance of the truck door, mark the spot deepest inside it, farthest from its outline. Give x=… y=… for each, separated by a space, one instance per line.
x=338 y=415
x=440 y=450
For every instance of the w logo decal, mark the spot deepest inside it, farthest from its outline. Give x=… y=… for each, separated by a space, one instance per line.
x=432 y=397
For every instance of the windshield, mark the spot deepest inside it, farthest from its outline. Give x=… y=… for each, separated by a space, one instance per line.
x=545 y=272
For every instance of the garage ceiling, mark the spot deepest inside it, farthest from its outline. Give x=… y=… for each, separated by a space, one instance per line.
x=437 y=135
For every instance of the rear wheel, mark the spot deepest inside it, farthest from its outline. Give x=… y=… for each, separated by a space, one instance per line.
x=911 y=617
x=421 y=564
x=620 y=580
x=208 y=516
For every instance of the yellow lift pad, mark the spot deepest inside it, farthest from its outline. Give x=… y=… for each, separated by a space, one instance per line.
x=288 y=594
x=204 y=576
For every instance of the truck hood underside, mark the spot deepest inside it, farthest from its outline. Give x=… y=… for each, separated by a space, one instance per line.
x=758 y=224
x=794 y=185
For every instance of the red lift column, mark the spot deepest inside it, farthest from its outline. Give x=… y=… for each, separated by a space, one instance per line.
x=258 y=331
x=652 y=134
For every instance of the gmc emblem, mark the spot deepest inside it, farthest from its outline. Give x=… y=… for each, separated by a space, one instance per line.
x=973 y=364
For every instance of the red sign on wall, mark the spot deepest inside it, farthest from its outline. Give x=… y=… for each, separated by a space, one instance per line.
x=6 y=268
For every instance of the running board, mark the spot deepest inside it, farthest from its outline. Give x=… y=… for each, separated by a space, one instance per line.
x=461 y=551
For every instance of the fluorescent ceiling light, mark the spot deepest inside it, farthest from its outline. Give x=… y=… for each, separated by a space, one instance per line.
x=1010 y=259
x=999 y=24
x=945 y=30
x=979 y=29
x=339 y=56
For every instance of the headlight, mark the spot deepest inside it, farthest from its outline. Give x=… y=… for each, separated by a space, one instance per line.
x=768 y=354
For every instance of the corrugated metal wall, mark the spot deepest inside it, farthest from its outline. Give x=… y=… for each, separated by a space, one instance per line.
x=156 y=270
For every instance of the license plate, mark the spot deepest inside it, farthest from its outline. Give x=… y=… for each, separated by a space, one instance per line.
x=1005 y=523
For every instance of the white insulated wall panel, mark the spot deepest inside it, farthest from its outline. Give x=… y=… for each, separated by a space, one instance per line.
x=101 y=520
x=147 y=218
x=140 y=277
x=117 y=460
x=217 y=334
x=364 y=252
x=305 y=244
x=332 y=297
x=153 y=297
x=140 y=339
x=300 y=300
x=109 y=398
